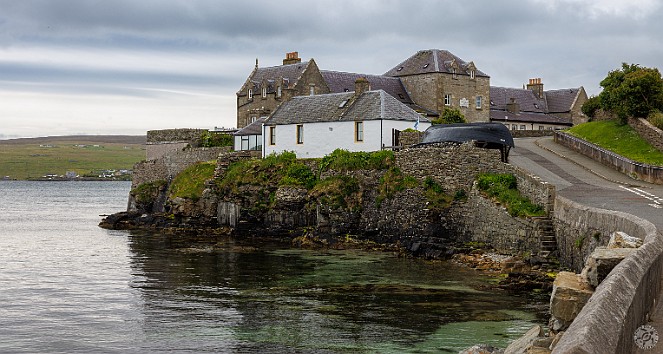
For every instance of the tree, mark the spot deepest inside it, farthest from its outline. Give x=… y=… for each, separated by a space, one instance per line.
x=450 y=116
x=590 y=106
x=632 y=91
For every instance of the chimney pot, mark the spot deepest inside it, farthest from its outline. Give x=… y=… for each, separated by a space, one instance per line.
x=292 y=58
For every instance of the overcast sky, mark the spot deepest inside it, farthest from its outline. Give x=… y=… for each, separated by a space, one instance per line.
x=127 y=66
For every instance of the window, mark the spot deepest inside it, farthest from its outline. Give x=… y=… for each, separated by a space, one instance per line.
x=514 y=126
x=359 y=131
x=278 y=91
x=478 y=102
x=312 y=90
x=272 y=135
x=300 y=134
x=453 y=73
x=253 y=119
x=541 y=127
x=244 y=142
x=250 y=94
x=264 y=92
x=523 y=127
x=472 y=74
x=447 y=99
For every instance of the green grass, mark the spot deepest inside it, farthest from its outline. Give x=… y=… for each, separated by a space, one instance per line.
x=26 y=159
x=503 y=188
x=190 y=183
x=620 y=139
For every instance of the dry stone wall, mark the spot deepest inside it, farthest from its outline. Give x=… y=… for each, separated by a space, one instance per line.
x=648 y=132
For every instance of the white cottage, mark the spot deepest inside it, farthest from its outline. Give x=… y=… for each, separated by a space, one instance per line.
x=314 y=126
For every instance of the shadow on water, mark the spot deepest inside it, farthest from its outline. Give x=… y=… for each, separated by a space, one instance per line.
x=266 y=297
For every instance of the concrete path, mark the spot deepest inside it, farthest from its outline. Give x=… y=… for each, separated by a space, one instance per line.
x=586 y=181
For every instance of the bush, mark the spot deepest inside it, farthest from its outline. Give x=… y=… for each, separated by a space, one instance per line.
x=450 y=116
x=590 y=107
x=344 y=160
x=338 y=192
x=435 y=194
x=656 y=119
x=215 y=139
x=394 y=181
x=503 y=188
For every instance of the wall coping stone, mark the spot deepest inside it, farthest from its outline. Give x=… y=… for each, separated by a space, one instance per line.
x=624 y=300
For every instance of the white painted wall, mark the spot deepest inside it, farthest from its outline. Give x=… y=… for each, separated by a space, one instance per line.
x=320 y=139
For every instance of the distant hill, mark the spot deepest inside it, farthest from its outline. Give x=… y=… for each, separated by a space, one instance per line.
x=119 y=139
x=88 y=156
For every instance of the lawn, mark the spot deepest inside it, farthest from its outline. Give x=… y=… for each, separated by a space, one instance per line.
x=620 y=139
x=31 y=158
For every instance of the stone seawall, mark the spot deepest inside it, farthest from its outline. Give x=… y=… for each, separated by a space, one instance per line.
x=624 y=300
x=647 y=173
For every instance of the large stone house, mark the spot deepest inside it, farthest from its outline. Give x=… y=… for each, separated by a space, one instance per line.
x=359 y=120
x=428 y=82
x=533 y=108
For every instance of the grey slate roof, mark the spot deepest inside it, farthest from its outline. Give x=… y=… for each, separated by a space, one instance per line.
x=291 y=73
x=254 y=128
x=528 y=117
x=345 y=82
x=432 y=61
x=553 y=101
x=561 y=100
x=370 y=105
x=500 y=96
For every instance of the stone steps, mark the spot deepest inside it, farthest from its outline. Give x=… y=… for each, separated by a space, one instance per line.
x=548 y=239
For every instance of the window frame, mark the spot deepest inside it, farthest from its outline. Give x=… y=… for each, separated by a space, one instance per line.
x=478 y=102
x=300 y=134
x=359 y=132
x=447 y=99
x=264 y=92
x=250 y=94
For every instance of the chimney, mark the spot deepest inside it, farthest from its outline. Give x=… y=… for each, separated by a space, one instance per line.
x=292 y=58
x=536 y=86
x=361 y=85
x=512 y=106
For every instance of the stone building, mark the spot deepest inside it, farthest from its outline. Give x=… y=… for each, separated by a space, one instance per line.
x=437 y=79
x=427 y=82
x=533 y=108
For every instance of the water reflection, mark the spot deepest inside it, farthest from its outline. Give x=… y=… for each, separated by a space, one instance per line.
x=234 y=297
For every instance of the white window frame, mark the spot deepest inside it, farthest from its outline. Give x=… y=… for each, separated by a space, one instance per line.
x=447 y=99
x=250 y=94
x=300 y=134
x=264 y=92
x=478 y=102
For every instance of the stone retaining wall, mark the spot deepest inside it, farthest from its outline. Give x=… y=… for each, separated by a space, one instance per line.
x=648 y=132
x=647 y=173
x=167 y=167
x=624 y=300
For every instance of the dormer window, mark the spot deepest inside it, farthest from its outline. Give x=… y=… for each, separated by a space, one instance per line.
x=312 y=90
x=264 y=92
x=278 y=91
x=472 y=74
x=250 y=94
x=453 y=73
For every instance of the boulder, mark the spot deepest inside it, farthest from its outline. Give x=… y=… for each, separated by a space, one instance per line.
x=482 y=349
x=570 y=293
x=620 y=239
x=526 y=342
x=601 y=262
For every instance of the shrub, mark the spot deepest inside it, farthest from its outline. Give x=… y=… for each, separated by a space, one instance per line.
x=344 y=160
x=394 y=181
x=214 y=139
x=656 y=119
x=435 y=194
x=450 y=116
x=590 y=107
x=503 y=188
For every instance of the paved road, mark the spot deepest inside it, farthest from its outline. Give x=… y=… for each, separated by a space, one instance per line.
x=586 y=181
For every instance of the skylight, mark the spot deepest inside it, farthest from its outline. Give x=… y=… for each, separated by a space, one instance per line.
x=343 y=104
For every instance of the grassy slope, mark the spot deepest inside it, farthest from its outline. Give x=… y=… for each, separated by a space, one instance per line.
x=25 y=158
x=621 y=139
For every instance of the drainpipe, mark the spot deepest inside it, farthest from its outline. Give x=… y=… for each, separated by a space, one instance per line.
x=264 y=139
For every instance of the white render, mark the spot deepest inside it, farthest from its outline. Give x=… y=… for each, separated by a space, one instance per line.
x=321 y=138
